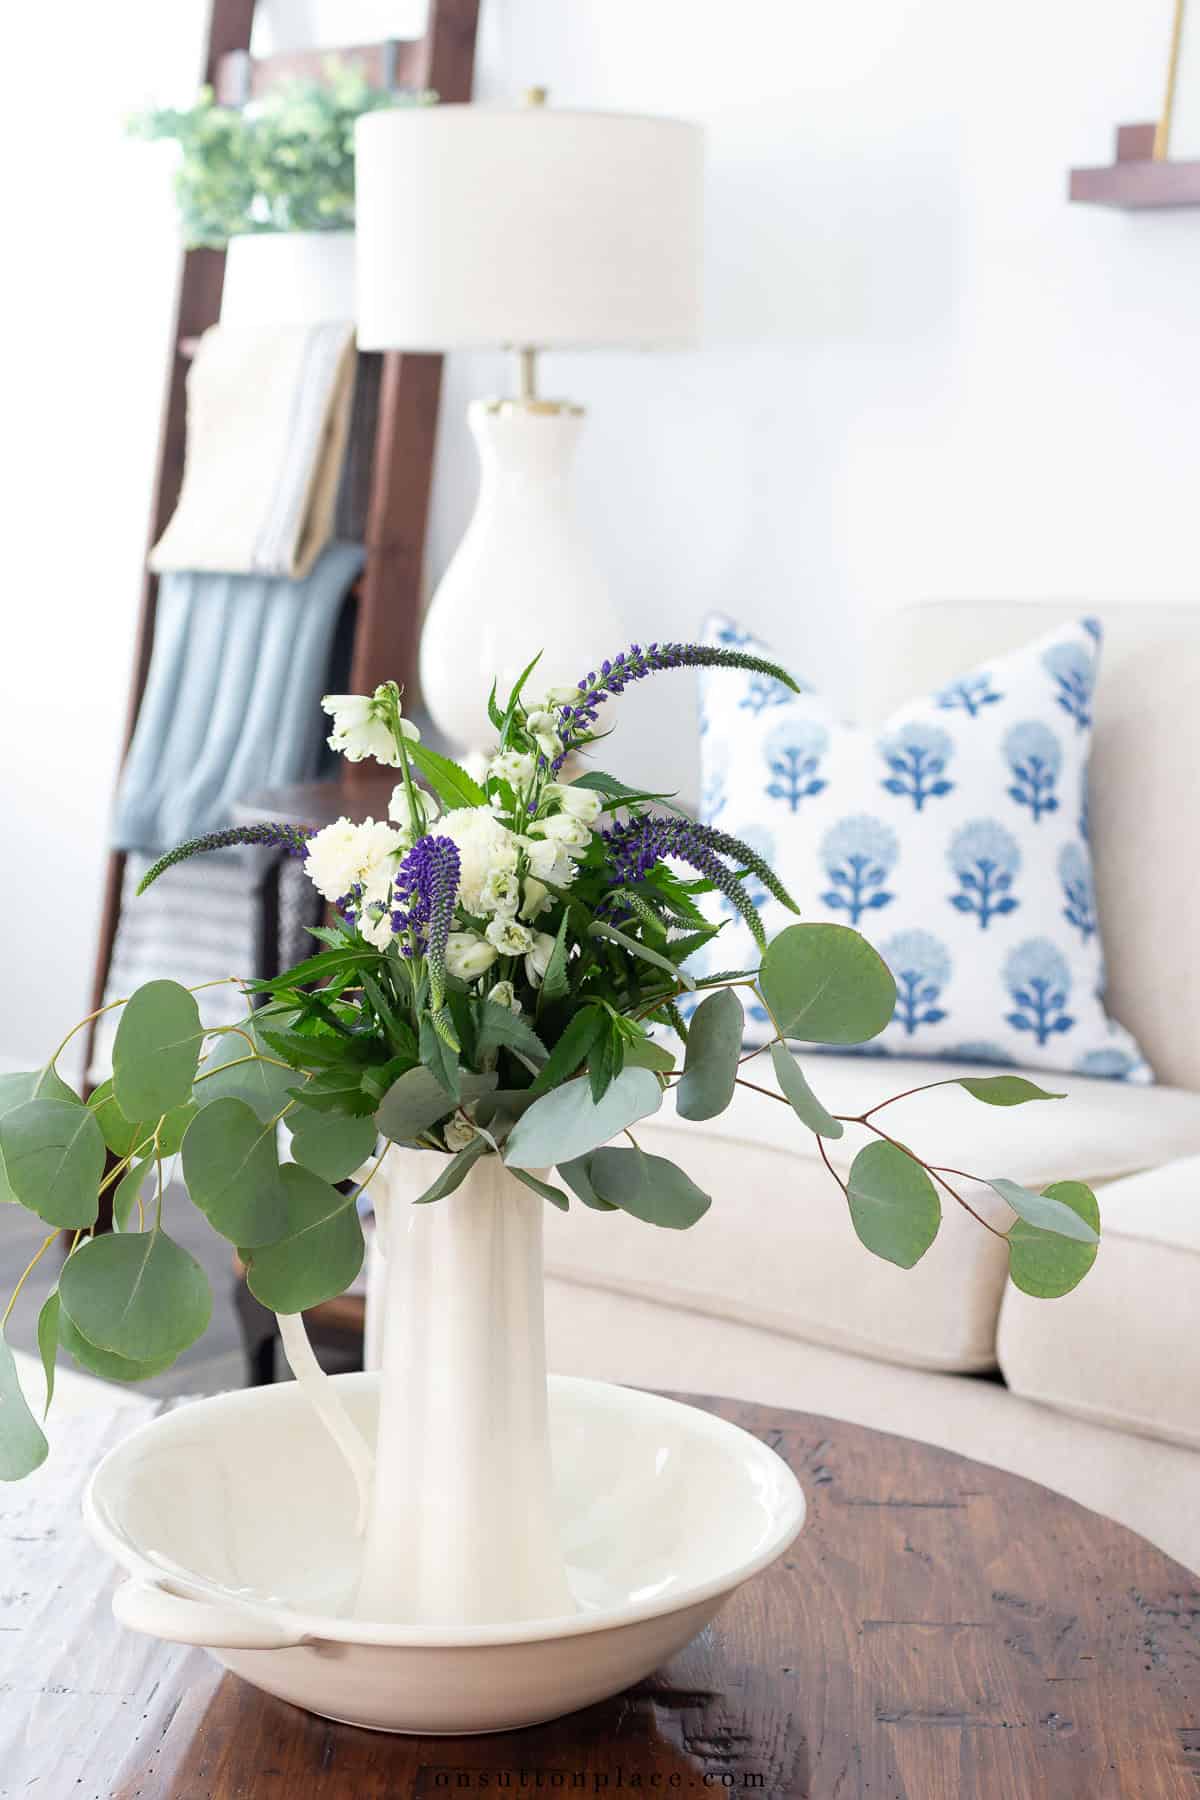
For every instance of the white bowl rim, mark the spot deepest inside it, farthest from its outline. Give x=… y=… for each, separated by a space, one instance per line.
x=329 y=1627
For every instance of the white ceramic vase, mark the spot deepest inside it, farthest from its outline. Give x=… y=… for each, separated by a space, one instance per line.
x=461 y=1528
x=288 y=278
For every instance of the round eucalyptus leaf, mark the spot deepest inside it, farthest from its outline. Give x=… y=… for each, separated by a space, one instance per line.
x=123 y=1136
x=568 y=1123
x=47 y=1339
x=800 y=1097
x=23 y=1445
x=156 y=1050
x=1046 y=1210
x=232 y=1070
x=1005 y=1090
x=232 y=1173
x=578 y=1177
x=136 y=1293
x=648 y=1187
x=454 y=1172
x=28 y=1084
x=320 y=1254
x=644 y=1053
x=54 y=1159
x=894 y=1205
x=710 y=1063
x=545 y=1189
x=125 y=1194
x=1045 y=1263
x=418 y=1100
x=102 y=1362
x=825 y=984
x=332 y=1145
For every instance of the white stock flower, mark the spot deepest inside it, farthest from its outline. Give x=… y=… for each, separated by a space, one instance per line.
x=537 y=898
x=509 y=936
x=501 y=892
x=458 y=1132
x=468 y=955
x=578 y=802
x=504 y=994
x=549 y=861
x=344 y=856
x=573 y=834
x=543 y=729
x=485 y=847
x=513 y=766
x=361 y=727
x=400 y=810
x=538 y=959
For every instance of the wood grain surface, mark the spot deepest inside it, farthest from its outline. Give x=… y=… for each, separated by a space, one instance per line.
x=939 y=1629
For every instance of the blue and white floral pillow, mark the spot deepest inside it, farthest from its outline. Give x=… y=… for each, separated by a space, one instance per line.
x=955 y=838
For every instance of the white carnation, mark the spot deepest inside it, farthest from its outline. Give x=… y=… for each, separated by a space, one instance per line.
x=538 y=959
x=509 y=936
x=485 y=846
x=343 y=856
x=468 y=955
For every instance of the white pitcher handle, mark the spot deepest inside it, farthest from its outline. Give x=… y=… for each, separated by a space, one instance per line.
x=215 y=1625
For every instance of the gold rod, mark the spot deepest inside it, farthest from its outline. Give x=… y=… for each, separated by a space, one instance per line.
x=1162 y=131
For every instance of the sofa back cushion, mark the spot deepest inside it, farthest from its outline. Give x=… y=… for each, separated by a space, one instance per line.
x=1144 y=785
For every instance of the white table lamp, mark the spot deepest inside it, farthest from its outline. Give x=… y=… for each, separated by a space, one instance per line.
x=526 y=228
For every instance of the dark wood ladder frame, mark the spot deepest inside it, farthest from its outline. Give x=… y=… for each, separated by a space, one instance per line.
x=388 y=595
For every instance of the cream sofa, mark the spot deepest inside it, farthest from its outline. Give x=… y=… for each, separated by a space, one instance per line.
x=771 y=1297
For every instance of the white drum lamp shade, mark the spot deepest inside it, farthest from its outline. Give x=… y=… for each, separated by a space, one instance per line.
x=484 y=226
x=529 y=228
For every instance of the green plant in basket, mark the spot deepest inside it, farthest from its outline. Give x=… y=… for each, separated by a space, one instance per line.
x=508 y=977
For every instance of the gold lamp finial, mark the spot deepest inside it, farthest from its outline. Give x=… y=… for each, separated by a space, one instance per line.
x=536 y=96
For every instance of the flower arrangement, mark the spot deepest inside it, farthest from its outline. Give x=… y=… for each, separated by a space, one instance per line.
x=507 y=977
x=282 y=163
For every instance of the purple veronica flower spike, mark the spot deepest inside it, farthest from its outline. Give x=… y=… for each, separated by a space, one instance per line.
x=292 y=838
x=635 y=847
x=424 y=889
x=634 y=664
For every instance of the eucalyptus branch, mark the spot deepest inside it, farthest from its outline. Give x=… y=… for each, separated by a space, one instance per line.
x=32 y=1264
x=929 y=1168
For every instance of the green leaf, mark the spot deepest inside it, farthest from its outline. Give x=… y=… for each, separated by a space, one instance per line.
x=494 y=713
x=635 y=947
x=102 y=1362
x=263 y=1086
x=644 y=1053
x=648 y=1187
x=399 y=1031
x=606 y=1061
x=337 y=1090
x=555 y=1195
x=893 y=1204
x=452 y=785
x=567 y=1123
x=1004 y=1090
x=157 y=1050
x=126 y=1193
x=498 y=1026
x=710 y=1064
x=23 y=1445
x=554 y=982
x=136 y=1293
x=617 y=792
x=454 y=1171
x=124 y=1136
x=333 y=963
x=232 y=1174
x=1047 y=1264
x=826 y=985
x=47 y=1338
x=15 y=1089
x=418 y=1100
x=1045 y=1211
x=584 y=1028
x=800 y=1097
x=330 y=1144
x=320 y=1254
x=440 y=1059
x=54 y=1159
x=578 y=1177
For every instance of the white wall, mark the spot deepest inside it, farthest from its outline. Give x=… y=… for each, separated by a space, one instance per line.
x=925 y=374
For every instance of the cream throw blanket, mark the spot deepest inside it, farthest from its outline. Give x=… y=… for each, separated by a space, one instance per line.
x=268 y=414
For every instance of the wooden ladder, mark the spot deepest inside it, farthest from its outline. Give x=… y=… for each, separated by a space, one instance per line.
x=388 y=594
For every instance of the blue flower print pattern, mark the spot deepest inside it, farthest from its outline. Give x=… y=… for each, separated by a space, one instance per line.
x=917 y=756
x=858 y=854
x=1037 y=977
x=1094 y=629
x=794 y=751
x=1079 y=892
x=714 y=793
x=986 y=859
x=981 y=1052
x=725 y=631
x=972 y=693
x=1113 y=1065
x=1073 y=670
x=763 y=691
x=1034 y=755
x=921 y=966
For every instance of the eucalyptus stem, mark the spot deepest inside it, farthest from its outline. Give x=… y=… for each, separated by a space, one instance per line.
x=29 y=1268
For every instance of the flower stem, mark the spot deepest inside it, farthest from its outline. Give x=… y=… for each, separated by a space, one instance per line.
x=30 y=1267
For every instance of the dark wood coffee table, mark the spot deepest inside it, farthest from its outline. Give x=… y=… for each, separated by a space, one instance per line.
x=940 y=1631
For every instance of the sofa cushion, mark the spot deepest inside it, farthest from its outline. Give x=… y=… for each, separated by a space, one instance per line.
x=954 y=836
x=777 y=1249
x=1121 y=1348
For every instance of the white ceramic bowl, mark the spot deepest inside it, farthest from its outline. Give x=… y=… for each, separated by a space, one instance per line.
x=234 y=1518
